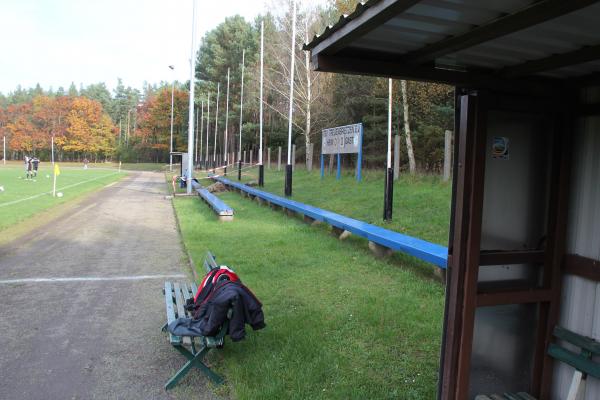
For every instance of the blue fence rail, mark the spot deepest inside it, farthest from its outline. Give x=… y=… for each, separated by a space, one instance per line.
x=218 y=205
x=427 y=251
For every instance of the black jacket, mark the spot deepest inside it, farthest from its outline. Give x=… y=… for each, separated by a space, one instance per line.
x=212 y=313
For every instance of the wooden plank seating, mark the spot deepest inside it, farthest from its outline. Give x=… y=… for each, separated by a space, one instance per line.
x=194 y=349
x=582 y=363
x=224 y=212
x=380 y=239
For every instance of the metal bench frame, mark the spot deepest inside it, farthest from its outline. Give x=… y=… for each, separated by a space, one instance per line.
x=175 y=296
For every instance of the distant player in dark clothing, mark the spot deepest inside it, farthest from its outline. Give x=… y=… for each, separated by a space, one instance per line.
x=35 y=161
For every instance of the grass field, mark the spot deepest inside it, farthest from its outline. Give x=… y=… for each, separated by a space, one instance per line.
x=341 y=324
x=22 y=199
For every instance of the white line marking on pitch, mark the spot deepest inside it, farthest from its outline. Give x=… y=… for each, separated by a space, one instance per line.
x=90 y=279
x=10 y=203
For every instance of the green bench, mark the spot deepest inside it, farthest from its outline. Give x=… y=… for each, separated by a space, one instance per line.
x=194 y=349
x=582 y=362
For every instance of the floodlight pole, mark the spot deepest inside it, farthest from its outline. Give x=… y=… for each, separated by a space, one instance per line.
x=389 y=172
x=226 y=124
x=288 y=167
x=241 y=117
x=190 y=166
x=207 y=130
x=172 y=101
x=261 y=167
x=216 y=125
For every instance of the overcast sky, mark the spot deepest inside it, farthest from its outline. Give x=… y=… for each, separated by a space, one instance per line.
x=56 y=42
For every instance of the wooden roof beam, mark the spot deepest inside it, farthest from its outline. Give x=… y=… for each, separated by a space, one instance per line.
x=556 y=61
x=538 y=12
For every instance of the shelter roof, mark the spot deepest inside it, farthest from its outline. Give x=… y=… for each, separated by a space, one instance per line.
x=464 y=41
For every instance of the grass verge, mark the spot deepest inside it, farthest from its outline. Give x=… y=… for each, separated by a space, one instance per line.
x=341 y=324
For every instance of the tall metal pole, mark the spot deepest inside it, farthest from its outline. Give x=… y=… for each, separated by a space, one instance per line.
x=190 y=166
x=226 y=124
x=196 y=140
x=199 y=154
x=389 y=172
x=207 y=130
x=172 y=102
x=288 y=167
x=241 y=116
x=216 y=127
x=261 y=167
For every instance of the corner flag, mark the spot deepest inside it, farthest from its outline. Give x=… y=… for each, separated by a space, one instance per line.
x=56 y=173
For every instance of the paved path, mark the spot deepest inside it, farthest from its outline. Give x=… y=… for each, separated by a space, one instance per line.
x=94 y=338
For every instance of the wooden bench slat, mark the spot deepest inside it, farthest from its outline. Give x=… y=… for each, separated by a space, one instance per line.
x=170 y=311
x=526 y=396
x=577 y=361
x=577 y=340
x=212 y=260
x=180 y=309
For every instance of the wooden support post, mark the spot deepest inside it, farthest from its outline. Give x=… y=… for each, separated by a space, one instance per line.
x=279 y=159
x=447 y=155
x=396 y=157
x=269 y=158
x=244 y=158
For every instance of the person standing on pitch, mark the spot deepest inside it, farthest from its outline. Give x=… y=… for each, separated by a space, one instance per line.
x=36 y=162
x=26 y=161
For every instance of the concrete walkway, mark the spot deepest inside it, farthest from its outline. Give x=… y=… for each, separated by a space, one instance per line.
x=81 y=304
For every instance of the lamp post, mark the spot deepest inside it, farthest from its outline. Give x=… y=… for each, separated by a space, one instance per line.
x=172 y=68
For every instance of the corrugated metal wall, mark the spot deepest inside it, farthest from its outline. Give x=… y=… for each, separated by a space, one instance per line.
x=581 y=297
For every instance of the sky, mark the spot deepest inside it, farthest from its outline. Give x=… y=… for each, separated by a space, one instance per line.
x=56 y=42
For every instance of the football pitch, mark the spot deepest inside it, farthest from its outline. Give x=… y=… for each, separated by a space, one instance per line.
x=21 y=199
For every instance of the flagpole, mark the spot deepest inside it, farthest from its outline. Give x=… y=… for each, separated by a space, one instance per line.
x=207 y=130
x=216 y=125
x=226 y=125
x=190 y=166
x=261 y=167
x=241 y=116
x=288 y=167
x=389 y=172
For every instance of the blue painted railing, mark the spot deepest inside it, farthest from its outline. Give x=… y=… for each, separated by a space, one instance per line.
x=427 y=251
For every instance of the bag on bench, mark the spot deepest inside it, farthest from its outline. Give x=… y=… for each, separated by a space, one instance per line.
x=220 y=290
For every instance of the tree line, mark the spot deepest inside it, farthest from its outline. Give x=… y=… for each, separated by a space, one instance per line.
x=132 y=125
